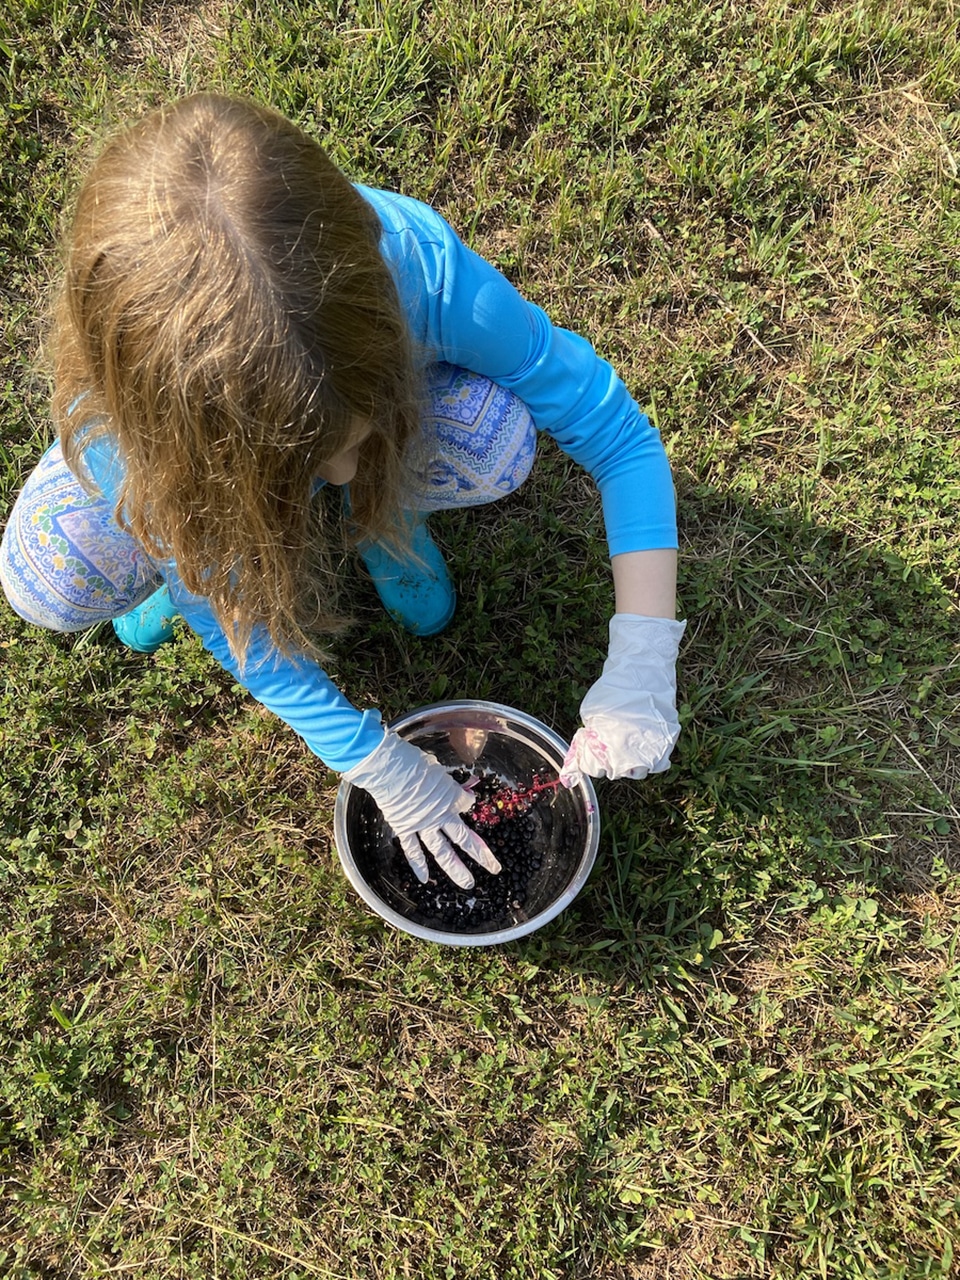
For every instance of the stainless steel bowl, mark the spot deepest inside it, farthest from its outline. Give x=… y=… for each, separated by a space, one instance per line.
x=480 y=737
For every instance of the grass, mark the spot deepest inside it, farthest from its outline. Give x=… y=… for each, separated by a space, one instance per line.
x=737 y=1054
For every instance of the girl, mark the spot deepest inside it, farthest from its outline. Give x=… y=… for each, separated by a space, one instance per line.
x=238 y=326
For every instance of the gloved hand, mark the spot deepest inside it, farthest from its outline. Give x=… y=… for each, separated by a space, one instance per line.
x=629 y=715
x=418 y=798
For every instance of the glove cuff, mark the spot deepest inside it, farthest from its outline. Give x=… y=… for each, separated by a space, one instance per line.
x=633 y=632
x=371 y=765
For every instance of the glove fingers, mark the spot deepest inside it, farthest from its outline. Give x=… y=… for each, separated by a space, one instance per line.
x=607 y=750
x=471 y=844
x=589 y=753
x=445 y=855
x=446 y=858
x=571 y=772
x=415 y=856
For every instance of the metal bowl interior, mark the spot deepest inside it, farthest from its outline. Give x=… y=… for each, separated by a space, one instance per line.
x=486 y=738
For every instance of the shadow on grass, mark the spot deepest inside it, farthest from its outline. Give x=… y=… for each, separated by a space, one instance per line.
x=182 y=934
x=817 y=679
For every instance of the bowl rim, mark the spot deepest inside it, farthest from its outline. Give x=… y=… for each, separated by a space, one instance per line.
x=498 y=936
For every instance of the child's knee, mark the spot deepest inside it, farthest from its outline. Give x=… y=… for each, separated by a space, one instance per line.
x=485 y=438
x=64 y=563
x=20 y=588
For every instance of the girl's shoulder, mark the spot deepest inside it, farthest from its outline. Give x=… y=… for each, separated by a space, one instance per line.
x=404 y=216
x=421 y=251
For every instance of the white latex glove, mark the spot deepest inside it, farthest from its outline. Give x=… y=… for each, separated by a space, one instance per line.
x=629 y=715
x=420 y=801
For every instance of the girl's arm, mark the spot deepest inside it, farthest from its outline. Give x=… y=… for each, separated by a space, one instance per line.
x=462 y=310
x=299 y=692
x=645 y=582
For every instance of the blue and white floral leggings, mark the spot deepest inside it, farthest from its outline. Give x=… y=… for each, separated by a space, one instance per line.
x=66 y=564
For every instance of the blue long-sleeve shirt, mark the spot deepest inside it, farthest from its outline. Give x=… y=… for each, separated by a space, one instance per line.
x=462 y=310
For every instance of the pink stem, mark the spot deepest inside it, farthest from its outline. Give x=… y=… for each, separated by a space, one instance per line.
x=508 y=802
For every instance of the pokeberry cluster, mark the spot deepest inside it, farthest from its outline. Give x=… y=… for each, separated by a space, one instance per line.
x=495 y=900
x=504 y=803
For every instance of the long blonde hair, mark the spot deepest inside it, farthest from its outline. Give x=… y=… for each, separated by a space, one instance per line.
x=227 y=311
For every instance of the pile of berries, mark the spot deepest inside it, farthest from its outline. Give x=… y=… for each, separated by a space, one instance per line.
x=502 y=817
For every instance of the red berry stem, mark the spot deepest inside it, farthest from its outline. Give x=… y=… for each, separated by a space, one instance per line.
x=509 y=802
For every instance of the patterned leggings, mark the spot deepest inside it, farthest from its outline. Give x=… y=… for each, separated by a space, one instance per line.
x=65 y=563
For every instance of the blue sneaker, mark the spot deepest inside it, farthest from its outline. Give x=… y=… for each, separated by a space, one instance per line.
x=149 y=625
x=416 y=593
